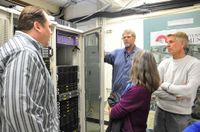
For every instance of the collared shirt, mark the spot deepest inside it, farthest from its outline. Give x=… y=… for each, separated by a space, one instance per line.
x=27 y=97
x=121 y=61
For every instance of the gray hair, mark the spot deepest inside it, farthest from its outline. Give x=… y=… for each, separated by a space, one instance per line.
x=183 y=37
x=129 y=31
x=144 y=71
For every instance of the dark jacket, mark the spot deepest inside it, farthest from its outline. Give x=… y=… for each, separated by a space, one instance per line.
x=114 y=124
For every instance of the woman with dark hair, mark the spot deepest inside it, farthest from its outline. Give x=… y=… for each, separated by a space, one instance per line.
x=134 y=105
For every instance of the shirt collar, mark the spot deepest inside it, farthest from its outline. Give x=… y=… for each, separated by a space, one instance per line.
x=132 y=51
x=35 y=43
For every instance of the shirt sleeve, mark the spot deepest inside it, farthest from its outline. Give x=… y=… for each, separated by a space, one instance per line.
x=110 y=57
x=130 y=101
x=190 y=88
x=161 y=70
x=162 y=94
x=25 y=95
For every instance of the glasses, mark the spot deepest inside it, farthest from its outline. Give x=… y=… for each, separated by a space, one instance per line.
x=128 y=37
x=171 y=41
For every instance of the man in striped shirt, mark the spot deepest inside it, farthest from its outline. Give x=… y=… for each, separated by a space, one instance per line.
x=27 y=97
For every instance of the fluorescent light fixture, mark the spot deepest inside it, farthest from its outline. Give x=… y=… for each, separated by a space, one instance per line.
x=180 y=22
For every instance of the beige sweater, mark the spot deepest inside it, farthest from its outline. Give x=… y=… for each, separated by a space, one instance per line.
x=180 y=77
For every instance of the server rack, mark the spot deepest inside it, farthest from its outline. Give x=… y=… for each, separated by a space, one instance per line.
x=67 y=98
x=6 y=22
x=47 y=53
x=71 y=73
x=67 y=72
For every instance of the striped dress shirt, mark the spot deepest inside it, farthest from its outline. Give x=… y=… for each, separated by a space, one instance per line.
x=27 y=97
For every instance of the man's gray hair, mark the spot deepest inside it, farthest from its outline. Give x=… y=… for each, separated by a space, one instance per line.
x=129 y=31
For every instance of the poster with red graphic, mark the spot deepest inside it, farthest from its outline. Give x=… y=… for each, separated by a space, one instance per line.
x=159 y=38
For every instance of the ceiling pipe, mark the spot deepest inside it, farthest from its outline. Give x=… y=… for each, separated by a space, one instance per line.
x=143 y=9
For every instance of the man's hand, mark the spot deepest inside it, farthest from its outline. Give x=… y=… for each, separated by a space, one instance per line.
x=165 y=86
x=163 y=94
x=179 y=98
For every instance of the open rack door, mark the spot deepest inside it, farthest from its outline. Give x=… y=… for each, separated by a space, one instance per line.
x=94 y=85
